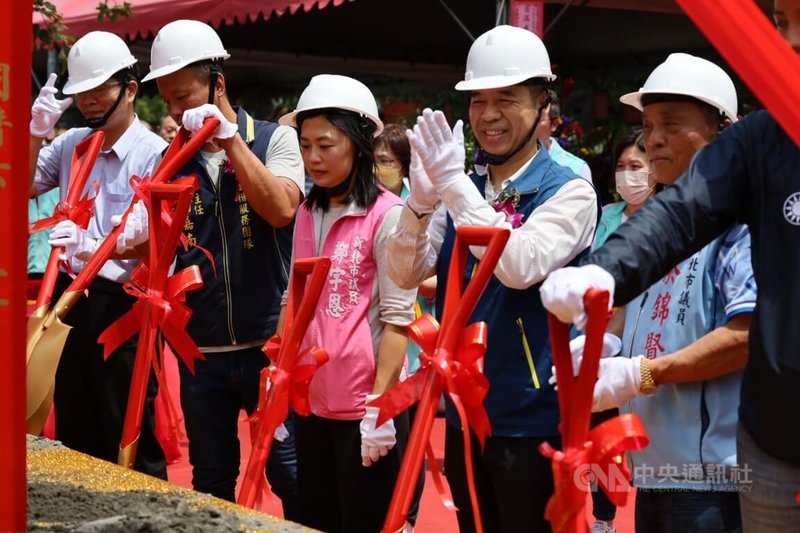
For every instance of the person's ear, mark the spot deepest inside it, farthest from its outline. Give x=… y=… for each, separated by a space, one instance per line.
x=219 y=89
x=132 y=87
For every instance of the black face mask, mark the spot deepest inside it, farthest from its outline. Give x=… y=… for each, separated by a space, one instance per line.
x=99 y=122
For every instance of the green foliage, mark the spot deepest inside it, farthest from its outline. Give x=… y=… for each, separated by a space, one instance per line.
x=53 y=31
x=150 y=108
x=114 y=12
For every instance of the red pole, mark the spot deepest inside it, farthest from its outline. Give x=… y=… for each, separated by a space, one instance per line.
x=15 y=67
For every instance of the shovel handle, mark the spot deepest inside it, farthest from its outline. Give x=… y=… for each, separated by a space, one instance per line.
x=163 y=242
x=308 y=279
x=458 y=307
x=83 y=159
x=178 y=154
x=575 y=394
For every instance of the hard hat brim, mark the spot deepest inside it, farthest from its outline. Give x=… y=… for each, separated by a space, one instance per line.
x=635 y=100
x=497 y=82
x=75 y=87
x=85 y=85
x=290 y=119
x=169 y=69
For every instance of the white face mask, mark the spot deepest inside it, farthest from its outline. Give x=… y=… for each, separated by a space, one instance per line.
x=634 y=186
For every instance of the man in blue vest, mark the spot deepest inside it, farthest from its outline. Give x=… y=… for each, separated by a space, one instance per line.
x=552 y=214
x=685 y=337
x=251 y=181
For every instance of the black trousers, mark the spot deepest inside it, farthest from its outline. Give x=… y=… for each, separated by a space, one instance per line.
x=337 y=493
x=513 y=481
x=91 y=394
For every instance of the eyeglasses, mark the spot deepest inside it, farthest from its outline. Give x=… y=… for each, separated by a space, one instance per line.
x=99 y=90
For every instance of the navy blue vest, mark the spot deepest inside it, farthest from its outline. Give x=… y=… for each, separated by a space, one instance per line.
x=240 y=300
x=520 y=403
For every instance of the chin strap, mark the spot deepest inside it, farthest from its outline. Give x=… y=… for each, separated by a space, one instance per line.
x=96 y=123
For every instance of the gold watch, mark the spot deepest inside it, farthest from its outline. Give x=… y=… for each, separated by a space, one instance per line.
x=647 y=386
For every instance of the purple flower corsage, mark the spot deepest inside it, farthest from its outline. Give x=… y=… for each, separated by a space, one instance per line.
x=506 y=202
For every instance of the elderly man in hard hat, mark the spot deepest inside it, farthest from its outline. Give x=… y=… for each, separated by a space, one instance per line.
x=685 y=337
x=90 y=394
x=251 y=181
x=750 y=174
x=552 y=214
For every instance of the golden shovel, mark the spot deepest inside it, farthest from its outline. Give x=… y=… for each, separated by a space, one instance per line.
x=46 y=338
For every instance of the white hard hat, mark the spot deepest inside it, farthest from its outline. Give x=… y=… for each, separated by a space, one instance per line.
x=687 y=75
x=340 y=92
x=181 y=43
x=505 y=56
x=93 y=59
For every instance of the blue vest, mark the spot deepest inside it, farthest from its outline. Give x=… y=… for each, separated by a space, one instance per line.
x=240 y=301
x=692 y=426
x=520 y=403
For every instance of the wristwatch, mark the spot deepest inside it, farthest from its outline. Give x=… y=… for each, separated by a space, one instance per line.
x=647 y=386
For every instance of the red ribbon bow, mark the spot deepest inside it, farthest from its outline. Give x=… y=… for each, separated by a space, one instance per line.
x=602 y=459
x=80 y=213
x=463 y=377
x=171 y=313
x=295 y=383
x=463 y=381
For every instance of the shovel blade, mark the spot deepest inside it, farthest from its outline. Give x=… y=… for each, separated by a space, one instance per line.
x=35 y=423
x=46 y=338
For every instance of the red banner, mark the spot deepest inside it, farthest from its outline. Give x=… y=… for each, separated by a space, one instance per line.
x=528 y=14
x=15 y=98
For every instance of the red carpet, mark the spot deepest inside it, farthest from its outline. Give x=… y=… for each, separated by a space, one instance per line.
x=433 y=517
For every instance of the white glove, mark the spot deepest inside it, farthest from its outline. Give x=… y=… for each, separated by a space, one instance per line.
x=423 y=197
x=193 y=120
x=564 y=289
x=74 y=239
x=375 y=442
x=47 y=109
x=618 y=383
x=440 y=148
x=281 y=433
x=137 y=227
x=611 y=346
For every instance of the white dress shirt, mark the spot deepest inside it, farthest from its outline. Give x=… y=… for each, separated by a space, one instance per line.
x=134 y=154
x=552 y=235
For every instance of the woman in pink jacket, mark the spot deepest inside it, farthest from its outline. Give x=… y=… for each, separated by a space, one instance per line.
x=347 y=466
